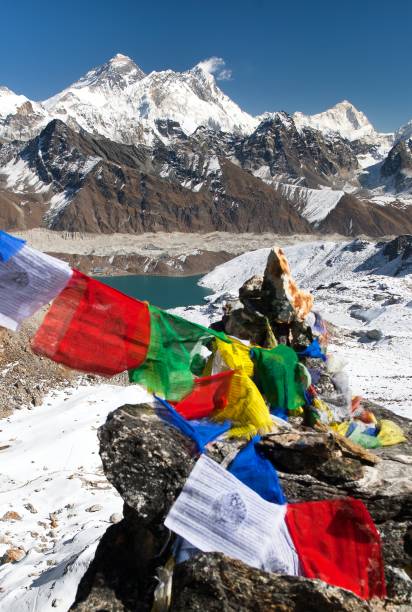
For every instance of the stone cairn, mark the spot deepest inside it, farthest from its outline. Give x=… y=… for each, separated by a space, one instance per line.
x=149 y=463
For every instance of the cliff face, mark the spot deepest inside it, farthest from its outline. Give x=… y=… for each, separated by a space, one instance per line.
x=149 y=463
x=123 y=199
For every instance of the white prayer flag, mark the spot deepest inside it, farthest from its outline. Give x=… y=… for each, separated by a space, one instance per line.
x=29 y=280
x=216 y=512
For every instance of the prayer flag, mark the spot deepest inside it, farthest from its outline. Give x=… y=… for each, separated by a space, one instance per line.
x=276 y=375
x=246 y=408
x=257 y=472
x=338 y=543
x=209 y=393
x=201 y=432
x=215 y=512
x=94 y=328
x=174 y=342
x=29 y=279
x=9 y=245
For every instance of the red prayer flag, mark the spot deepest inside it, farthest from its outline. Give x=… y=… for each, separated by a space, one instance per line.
x=94 y=328
x=337 y=542
x=209 y=394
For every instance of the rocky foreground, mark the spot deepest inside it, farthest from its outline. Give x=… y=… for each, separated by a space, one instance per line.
x=149 y=463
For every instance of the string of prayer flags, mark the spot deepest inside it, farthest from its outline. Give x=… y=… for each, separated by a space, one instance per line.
x=215 y=512
x=29 y=279
x=201 y=432
x=337 y=542
x=9 y=246
x=245 y=407
x=390 y=433
x=209 y=393
x=94 y=328
x=234 y=356
x=174 y=342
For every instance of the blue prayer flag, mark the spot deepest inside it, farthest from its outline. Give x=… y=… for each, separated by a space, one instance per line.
x=9 y=246
x=201 y=432
x=257 y=472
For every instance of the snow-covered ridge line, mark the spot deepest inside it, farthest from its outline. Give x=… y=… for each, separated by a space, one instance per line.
x=119 y=101
x=312 y=263
x=343 y=118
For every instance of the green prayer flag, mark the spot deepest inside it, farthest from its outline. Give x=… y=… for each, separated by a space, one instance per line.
x=277 y=376
x=174 y=342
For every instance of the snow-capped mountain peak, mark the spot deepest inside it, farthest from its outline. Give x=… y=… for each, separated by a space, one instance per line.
x=118 y=73
x=343 y=118
x=119 y=101
x=20 y=118
x=10 y=101
x=109 y=79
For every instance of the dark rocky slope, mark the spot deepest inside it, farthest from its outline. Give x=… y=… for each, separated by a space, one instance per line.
x=357 y=216
x=70 y=180
x=122 y=199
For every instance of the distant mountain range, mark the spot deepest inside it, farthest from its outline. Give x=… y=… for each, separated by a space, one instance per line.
x=122 y=151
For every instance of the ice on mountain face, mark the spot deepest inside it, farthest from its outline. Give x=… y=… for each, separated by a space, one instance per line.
x=61 y=200
x=19 y=177
x=390 y=181
x=348 y=122
x=192 y=99
x=404 y=132
x=112 y=77
x=20 y=118
x=9 y=101
x=279 y=116
x=58 y=203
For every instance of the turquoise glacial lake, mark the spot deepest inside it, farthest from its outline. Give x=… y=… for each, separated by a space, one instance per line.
x=162 y=291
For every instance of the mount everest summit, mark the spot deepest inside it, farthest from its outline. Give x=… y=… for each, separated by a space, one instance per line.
x=119 y=101
x=121 y=150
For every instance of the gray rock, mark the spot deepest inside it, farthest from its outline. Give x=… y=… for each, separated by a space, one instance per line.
x=146 y=461
x=374 y=334
x=218 y=584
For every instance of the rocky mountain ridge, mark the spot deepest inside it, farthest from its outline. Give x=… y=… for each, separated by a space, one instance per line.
x=69 y=180
x=120 y=150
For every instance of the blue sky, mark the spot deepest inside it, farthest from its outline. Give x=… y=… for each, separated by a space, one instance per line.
x=289 y=55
